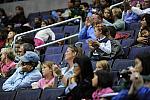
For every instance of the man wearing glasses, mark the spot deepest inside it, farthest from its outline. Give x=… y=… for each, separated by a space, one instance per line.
x=24 y=75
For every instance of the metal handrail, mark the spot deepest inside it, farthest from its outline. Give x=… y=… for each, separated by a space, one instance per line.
x=117 y=4
x=55 y=24
x=74 y=35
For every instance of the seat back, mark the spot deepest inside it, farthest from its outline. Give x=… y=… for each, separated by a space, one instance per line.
x=2 y=80
x=57 y=58
x=51 y=94
x=53 y=50
x=57 y=29
x=127 y=42
x=120 y=64
x=7 y=95
x=28 y=94
x=138 y=51
x=71 y=29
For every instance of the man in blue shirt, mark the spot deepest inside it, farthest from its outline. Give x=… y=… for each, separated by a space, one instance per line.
x=24 y=75
x=88 y=30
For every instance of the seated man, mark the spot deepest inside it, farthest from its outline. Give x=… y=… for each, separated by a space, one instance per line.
x=24 y=75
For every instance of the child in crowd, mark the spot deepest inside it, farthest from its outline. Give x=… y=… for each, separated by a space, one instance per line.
x=7 y=64
x=102 y=65
x=145 y=33
x=48 y=77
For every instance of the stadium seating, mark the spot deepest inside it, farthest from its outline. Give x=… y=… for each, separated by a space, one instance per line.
x=28 y=94
x=138 y=51
x=120 y=64
x=8 y=95
x=57 y=58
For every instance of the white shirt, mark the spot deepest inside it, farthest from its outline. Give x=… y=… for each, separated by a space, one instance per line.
x=44 y=34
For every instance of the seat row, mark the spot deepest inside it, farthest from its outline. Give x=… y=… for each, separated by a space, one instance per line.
x=32 y=94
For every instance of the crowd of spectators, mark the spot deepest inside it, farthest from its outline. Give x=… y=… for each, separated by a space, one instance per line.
x=24 y=68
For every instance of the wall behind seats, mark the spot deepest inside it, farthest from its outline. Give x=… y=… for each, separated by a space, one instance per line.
x=31 y=6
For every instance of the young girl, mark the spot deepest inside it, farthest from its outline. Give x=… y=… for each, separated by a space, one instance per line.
x=102 y=65
x=48 y=77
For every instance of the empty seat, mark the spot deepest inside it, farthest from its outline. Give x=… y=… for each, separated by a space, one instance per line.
x=127 y=42
x=28 y=94
x=59 y=36
x=57 y=29
x=7 y=95
x=71 y=29
x=138 y=51
x=120 y=64
x=53 y=50
x=51 y=94
x=57 y=58
x=126 y=52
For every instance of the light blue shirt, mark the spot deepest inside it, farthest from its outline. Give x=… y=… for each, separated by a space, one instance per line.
x=21 y=80
x=67 y=74
x=130 y=17
x=87 y=32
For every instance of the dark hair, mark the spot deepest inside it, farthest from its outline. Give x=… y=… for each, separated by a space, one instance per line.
x=25 y=39
x=105 y=30
x=104 y=79
x=3 y=12
x=85 y=65
x=145 y=59
x=21 y=9
x=147 y=18
x=28 y=47
x=85 y=4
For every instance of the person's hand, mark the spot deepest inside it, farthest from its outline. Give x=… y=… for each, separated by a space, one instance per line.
x=136 y=79
x=87 y=22
x=48 y=85
x=56 y=70
x=142 y=40
x=34 y=85
x=137 y=82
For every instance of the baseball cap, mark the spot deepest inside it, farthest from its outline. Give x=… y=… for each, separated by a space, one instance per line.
x=30 y=56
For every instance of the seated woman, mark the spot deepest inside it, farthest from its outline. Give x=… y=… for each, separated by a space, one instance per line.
x=145 y=36
x=80 y=84
x=48 y=78
x=7 y=63
x=145 y=22
x=65 y=72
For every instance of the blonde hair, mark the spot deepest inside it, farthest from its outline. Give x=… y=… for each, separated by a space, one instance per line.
x=9 y=52
x=49 y=64
x=102 y=64
x=117 y=12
